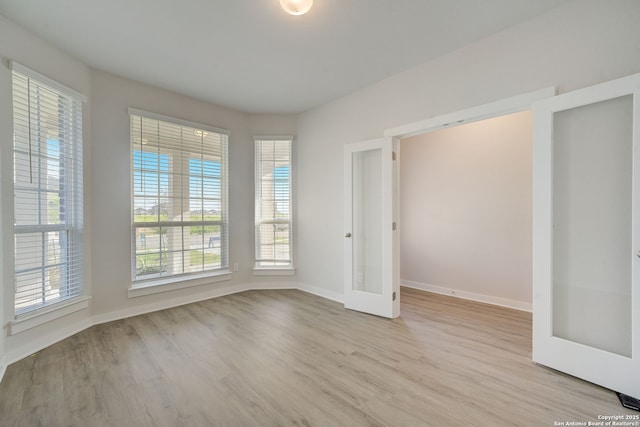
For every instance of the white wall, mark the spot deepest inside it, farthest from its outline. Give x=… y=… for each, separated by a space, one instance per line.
x=466 y=210
x=111 y=253
x=107 y=199
x=576 y=45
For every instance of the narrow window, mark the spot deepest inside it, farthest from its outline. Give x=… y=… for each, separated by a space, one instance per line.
x=47 y=179
x=273 y=192
x=179 y=198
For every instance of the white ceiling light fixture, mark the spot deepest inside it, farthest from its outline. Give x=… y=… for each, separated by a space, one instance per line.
x=296 y=7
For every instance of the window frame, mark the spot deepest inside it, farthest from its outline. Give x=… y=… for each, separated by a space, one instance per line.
x=153 y=283
x=260 y=266
x=70 y=105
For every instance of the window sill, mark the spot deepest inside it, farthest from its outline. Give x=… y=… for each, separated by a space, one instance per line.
x=274 y=271
x=24 y=322
x=173 y=284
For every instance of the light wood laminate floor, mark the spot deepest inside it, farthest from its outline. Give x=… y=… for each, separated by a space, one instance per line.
x=287 y=358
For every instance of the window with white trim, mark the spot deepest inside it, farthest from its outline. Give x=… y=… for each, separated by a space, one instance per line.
x=47 y=179
x=179 y=198
x=273 y=206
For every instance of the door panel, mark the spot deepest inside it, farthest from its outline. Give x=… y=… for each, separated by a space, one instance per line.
x=592 y=194
x=367 y=221
x=371 y=262
x=586 y=295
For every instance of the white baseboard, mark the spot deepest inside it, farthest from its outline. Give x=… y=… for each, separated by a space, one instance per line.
x=43 y=342
x=271 y=286
x=40 y=343
x=168 y=303
x=202 y=296
x=487 y=299
x=324 y=293
x=3 y=368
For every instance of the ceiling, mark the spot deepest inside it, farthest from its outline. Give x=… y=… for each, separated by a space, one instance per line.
x=251 y=56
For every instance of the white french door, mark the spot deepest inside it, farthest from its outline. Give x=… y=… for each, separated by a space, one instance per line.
x=586 y=252
x=372 y=280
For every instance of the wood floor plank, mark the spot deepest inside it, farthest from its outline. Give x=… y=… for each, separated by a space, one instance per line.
x=287 y=358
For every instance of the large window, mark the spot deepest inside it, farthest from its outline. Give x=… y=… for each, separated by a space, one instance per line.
x=47 y=178
x=273 y=217
x=179 y=197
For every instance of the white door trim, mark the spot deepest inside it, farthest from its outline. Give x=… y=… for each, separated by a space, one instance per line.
x=502 y=107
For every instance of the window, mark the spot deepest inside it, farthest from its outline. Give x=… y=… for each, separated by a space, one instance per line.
x=47 y=178
x=179 y=197
x=273 y=215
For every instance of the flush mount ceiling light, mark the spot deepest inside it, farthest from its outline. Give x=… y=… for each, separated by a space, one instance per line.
x=296 y=7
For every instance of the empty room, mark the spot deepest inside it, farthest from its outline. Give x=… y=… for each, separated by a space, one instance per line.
x=465 y=209
x=325 y=213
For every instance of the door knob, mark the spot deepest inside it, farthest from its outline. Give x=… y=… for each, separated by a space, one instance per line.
x=349 y=235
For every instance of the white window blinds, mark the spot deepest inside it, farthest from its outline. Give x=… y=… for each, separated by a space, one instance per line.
x=48 y=225
x=179 y=197
x=273 y=216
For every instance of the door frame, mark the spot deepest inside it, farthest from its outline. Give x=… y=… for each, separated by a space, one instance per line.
x=506 y=106
x=503 y=107
x=368 y=303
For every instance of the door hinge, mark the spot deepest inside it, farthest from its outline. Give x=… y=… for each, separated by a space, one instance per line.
x=393 y=155
x=394 y=226
x=393 y=298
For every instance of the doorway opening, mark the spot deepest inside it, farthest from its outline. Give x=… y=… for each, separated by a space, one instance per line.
x=466 y=210
x=465 y=202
